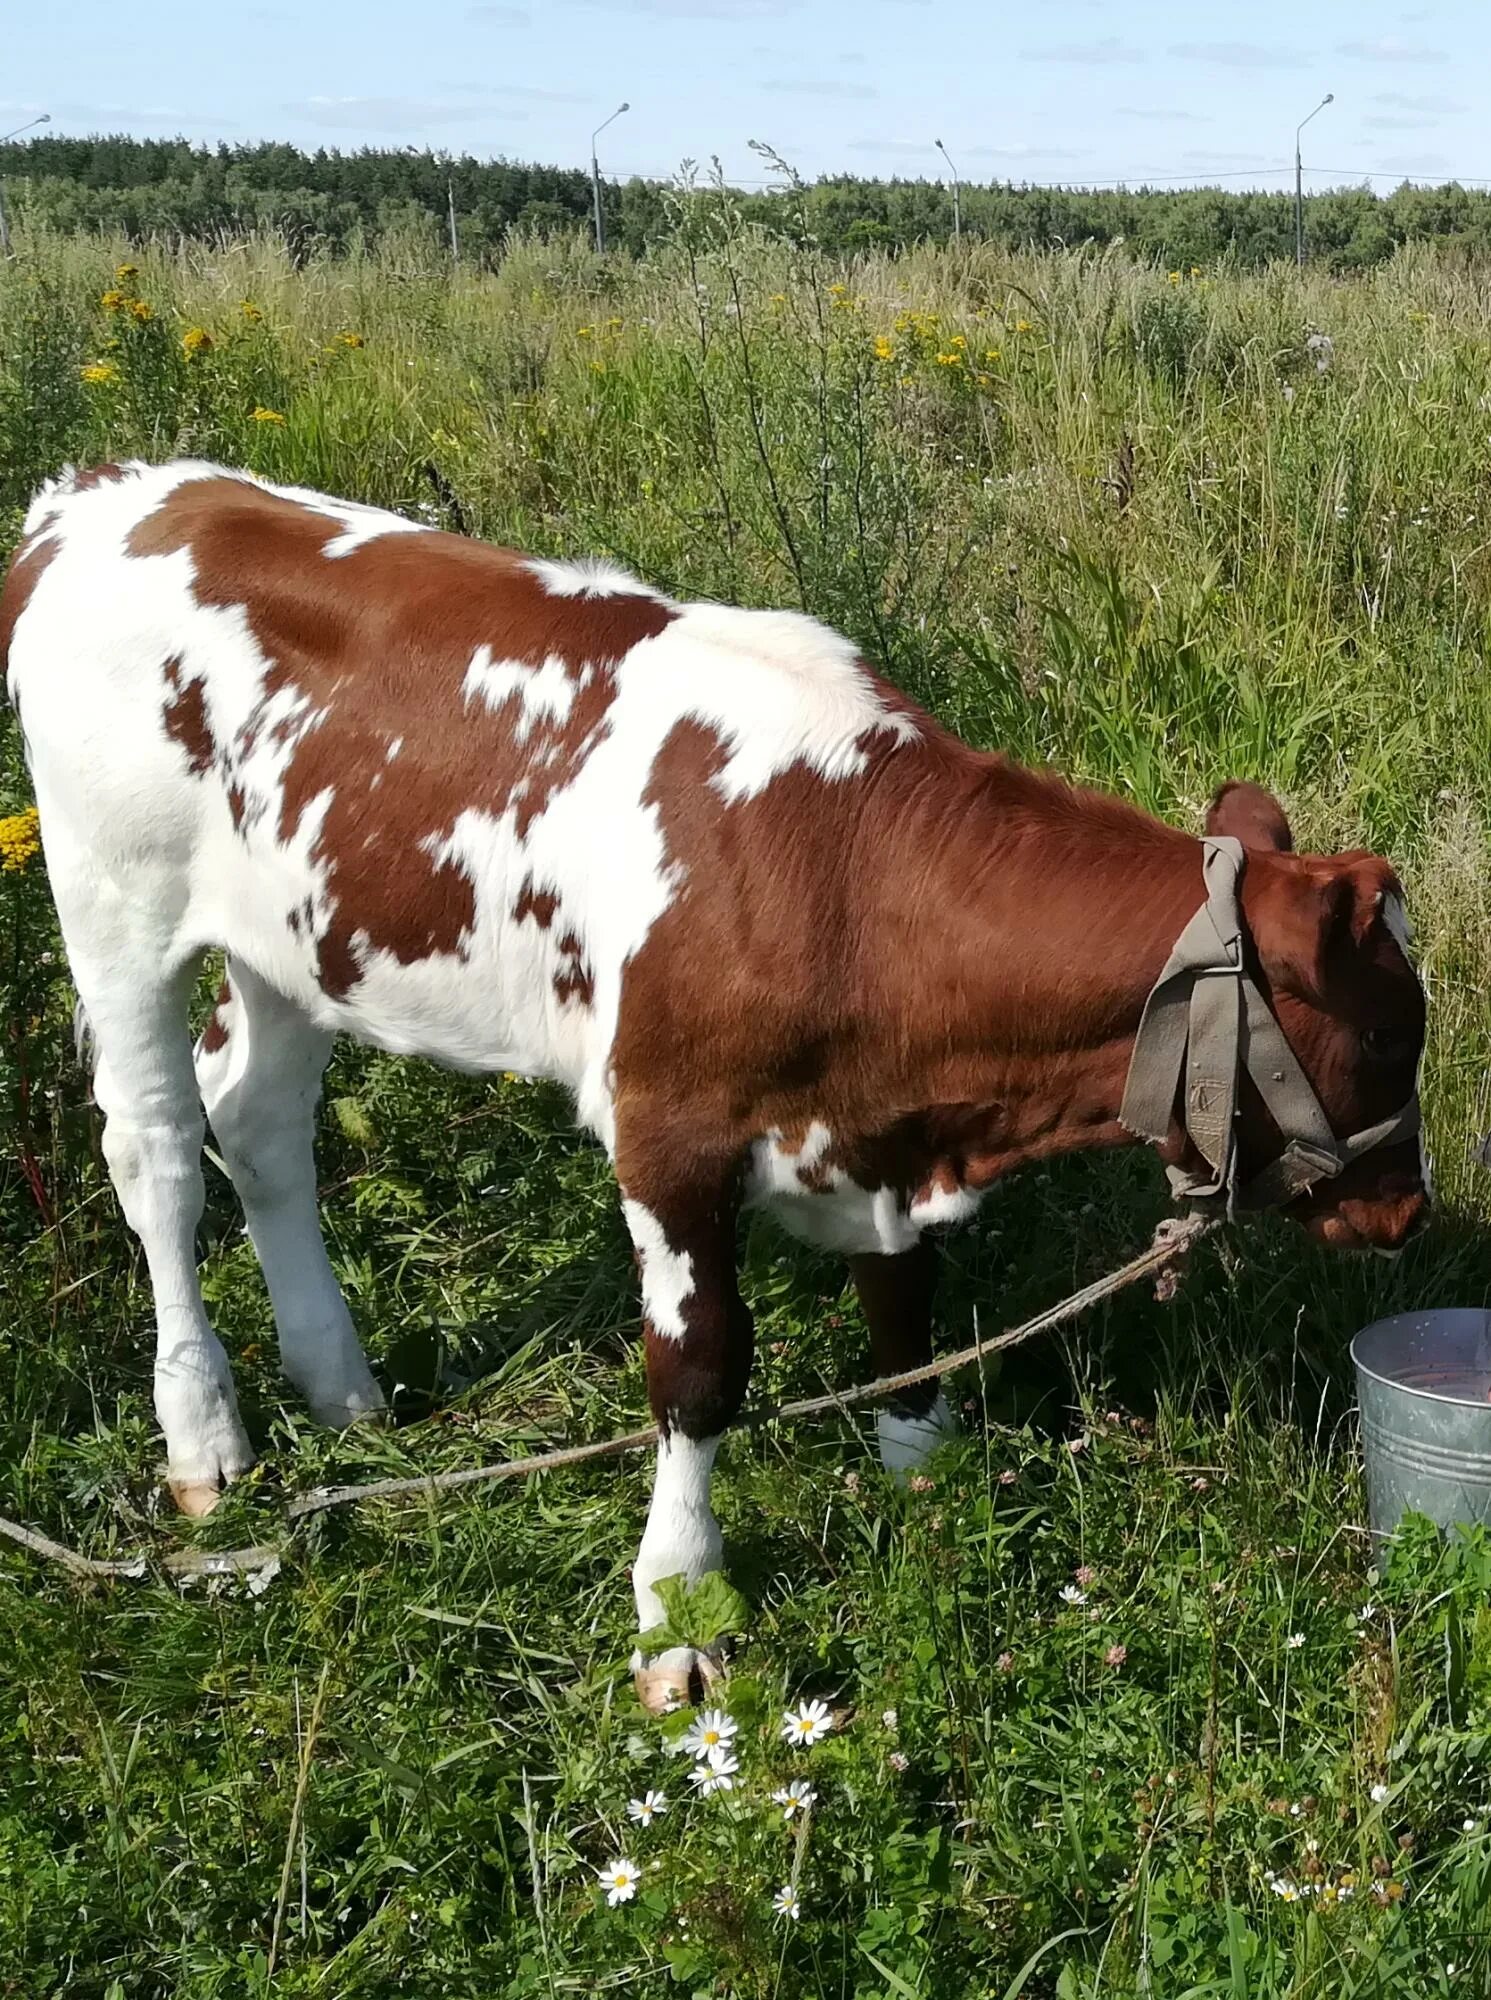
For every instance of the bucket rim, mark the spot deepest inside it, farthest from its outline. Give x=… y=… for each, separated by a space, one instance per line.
x=1393 y=1382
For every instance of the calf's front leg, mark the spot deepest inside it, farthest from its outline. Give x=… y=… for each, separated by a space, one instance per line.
x=700 y=1343
x=896 y=1294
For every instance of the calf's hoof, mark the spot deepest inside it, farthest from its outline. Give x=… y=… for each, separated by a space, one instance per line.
x=197 y=1484
x=680 y=1678
x=195 y=1496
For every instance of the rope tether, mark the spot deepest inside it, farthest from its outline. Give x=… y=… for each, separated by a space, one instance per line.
x=1172 y=1240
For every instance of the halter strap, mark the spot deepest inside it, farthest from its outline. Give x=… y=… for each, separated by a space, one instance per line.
x=1205 y=1021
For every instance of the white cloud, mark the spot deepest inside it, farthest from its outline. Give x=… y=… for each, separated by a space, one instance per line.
x=922 y=149
x=1240 y=55
x=1414 y=166
x=392 y=114
x=1403 y=100
x=113 y=117
x=1391 y=49
x=1100 y=55
x=1218 y=161
x=818 y=87
x=700 y=10
x=1392 y=121
x=1161 y=114
x=1025 y=152
x=534 y=93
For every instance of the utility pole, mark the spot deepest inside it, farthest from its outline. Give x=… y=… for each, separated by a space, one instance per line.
x=450 y=209
x=45 y=118
x=957 y=205
x=1299 y=183
x=595 y=175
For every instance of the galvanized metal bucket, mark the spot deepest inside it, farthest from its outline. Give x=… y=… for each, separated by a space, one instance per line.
x=1424 y=1386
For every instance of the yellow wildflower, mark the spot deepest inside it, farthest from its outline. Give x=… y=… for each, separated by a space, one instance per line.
x=984 y=381
x=350 y=340
x=138 y=309
x=124 y=272
x=263 y=416
x=905 y=381
x=112 y=300
x=20 y=840
x=958 y=340
x=779 y=298
x=991 y=354
x=614 y=324
x=885 y=347
x=597 y=367
x=950 y=360
x=1023 y=326
x=100 y=371
x=249 y=310
x=1195 y=270
x=196 y=340
x=837 y=291
x=584 y=332
x=1175 y=277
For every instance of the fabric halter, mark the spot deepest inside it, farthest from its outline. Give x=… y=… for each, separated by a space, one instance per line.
x=1205 y=1020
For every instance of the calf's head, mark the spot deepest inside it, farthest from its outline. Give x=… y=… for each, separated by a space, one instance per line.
x=1329 y=940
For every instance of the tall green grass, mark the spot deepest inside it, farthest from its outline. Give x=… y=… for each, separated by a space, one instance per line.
x=1158 y=528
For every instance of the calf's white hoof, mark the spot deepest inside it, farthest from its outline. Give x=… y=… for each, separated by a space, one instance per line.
x=678 y=1678
x=196 y=1485
x=906 y=1442
x=195 y=1497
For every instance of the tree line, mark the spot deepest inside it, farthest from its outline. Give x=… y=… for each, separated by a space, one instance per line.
x=150 y=187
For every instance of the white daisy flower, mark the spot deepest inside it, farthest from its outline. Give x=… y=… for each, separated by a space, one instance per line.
x=619 y=1879
x=1293 y=1643
x=646 y=1809
x=1378 y=1793
x=711 y=1729
x=806 y=1723
x=785 y=1902
x=717 y=1772
x=1470 y=1826
x=1071 y=1595
x=795 y=1797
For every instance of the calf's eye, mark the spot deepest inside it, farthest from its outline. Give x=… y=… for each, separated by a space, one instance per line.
x=1386 y=1044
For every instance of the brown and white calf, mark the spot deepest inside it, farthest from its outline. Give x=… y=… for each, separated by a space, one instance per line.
x=788 y=941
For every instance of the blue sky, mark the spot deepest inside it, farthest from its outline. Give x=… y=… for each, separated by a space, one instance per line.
x=1069 y=91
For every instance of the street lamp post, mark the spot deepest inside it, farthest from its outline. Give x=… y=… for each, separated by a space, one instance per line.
x=595 y=175
x=45 y=118
x=957 y=205
x=1299 y=182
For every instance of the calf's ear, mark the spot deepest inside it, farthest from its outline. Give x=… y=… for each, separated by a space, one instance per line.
x=1248 y=813
x=1313 y=918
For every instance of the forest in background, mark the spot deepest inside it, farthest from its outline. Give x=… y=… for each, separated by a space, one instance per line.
x=170 y=187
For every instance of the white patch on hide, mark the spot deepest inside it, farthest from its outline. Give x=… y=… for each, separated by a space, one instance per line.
x=667 y=1274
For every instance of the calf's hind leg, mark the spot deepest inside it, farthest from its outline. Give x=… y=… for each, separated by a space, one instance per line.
x=896 y=1294
x=700 y=1343
x=259 y=1068
x=152 y=1140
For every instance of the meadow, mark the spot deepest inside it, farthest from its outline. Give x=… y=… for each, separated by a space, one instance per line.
x=1124 y=1701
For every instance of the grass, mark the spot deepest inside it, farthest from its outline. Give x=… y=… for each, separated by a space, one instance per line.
x=1136 y=526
